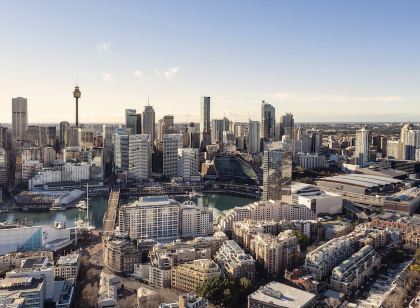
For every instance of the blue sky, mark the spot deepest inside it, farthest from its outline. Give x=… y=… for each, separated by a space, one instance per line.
x=321 y=60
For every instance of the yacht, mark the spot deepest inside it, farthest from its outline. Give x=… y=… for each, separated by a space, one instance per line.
x=85 y=224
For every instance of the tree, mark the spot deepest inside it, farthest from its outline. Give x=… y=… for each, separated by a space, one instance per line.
x=302 y=238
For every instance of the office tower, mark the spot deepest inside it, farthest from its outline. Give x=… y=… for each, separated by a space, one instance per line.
x=76 y=95
x=64 y=126
x=254 y=138
x=131 y=121
x=52 y=135
x=171 y=144
x=316 y=141
x=268 y=121
x=120 y=141
x=217 y=128
x=166 y=126
x=287 y=125
x=277 y=171
x=362 y=146
x=139 y=126
x=74 y=136
x=410 y=139
x=228 y=137
x=19 y=126
x=188 y=163
x=107 y=132
x=3 y=137
x=49 y=155
x=205 y=131
x=4 y=168
x=19 y=121
x=239 y=129
x=149 y=123
x=36 y=135
x=87 y=138
x=154 y=217
x=139 y=157
x=306 y=142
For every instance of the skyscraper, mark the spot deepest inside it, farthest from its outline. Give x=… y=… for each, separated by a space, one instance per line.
x=287 y=124
x=64 y=126
x=362 y=146
x=166 y=126
x=131 y=121
x=149 y=123
x=217 y=128
x=139 y=157
x=171 y=144
x=254 y=138
x=277 y=172
x=410 y=141
x=19 y=126
x=268 y=122
x=205 y=131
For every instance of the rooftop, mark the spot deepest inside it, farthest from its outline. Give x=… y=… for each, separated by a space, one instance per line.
x=282 y=295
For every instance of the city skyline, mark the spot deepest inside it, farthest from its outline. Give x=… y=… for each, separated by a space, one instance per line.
x=310 y=59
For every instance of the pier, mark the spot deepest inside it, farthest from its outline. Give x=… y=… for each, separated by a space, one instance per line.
x=111 y=213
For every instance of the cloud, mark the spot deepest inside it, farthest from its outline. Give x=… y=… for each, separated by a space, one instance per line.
x=332 y=98
x=104 y=49
x=108 y=78
x=139 y=74
x=169 y=74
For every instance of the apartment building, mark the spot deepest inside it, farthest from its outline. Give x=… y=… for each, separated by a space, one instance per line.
x=353 y=272
x=67 y=267
x=195 y=221
x=276 y=253
x=185 y=277
x=234 y=262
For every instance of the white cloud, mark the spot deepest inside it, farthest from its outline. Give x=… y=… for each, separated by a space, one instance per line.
x=139 y=74
x=108 y=78
x=171 y=72
x=104 y=49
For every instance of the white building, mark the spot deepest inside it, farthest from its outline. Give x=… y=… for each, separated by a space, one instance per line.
x=49 y=155
x=188 y=163
x=195 y=221
x=171 y=144
x=313 y=161
x=17 y=290
x=30 y=168
x=150 y=218
x=362 y=146
x=139 y=157
x=67 y=267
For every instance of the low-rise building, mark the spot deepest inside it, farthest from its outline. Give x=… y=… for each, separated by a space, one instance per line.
x=108 y=287
x=187 y=276
x=24 y=291
x=353 y=272
x=276 y=295
x=67 y=266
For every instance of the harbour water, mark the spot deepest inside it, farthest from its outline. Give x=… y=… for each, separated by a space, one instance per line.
x=98 y=204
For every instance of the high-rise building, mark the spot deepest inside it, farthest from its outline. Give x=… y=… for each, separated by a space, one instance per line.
x=166 y=126
x=171 y=144
x=131 y=121
x=362 y=146
x=139 y=127
x=287 y=125
x=4 y=168
x=139 y=157
x=205 y=131
x=188 y=163
x=74 y=136
x=268 y=121
x=277 y=171
x=107 y=132
x=48 y=156
x=254 y=138
x=217 y=128
x=410 y=139
x=316 y=141
x=19 y=126
x=64 y=126
x=120 y=141
x=149 y=123
x=195 y=221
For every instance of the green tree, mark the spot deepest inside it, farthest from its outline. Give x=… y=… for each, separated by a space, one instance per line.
x=302 y=238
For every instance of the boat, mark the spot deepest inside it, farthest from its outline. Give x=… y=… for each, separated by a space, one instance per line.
x=193 y=194
x=81 y=205
x=85 y=224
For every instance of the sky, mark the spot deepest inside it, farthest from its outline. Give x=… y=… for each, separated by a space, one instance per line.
x=321 y=60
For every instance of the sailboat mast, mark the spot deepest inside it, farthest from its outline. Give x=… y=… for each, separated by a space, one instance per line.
x=87 y=201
